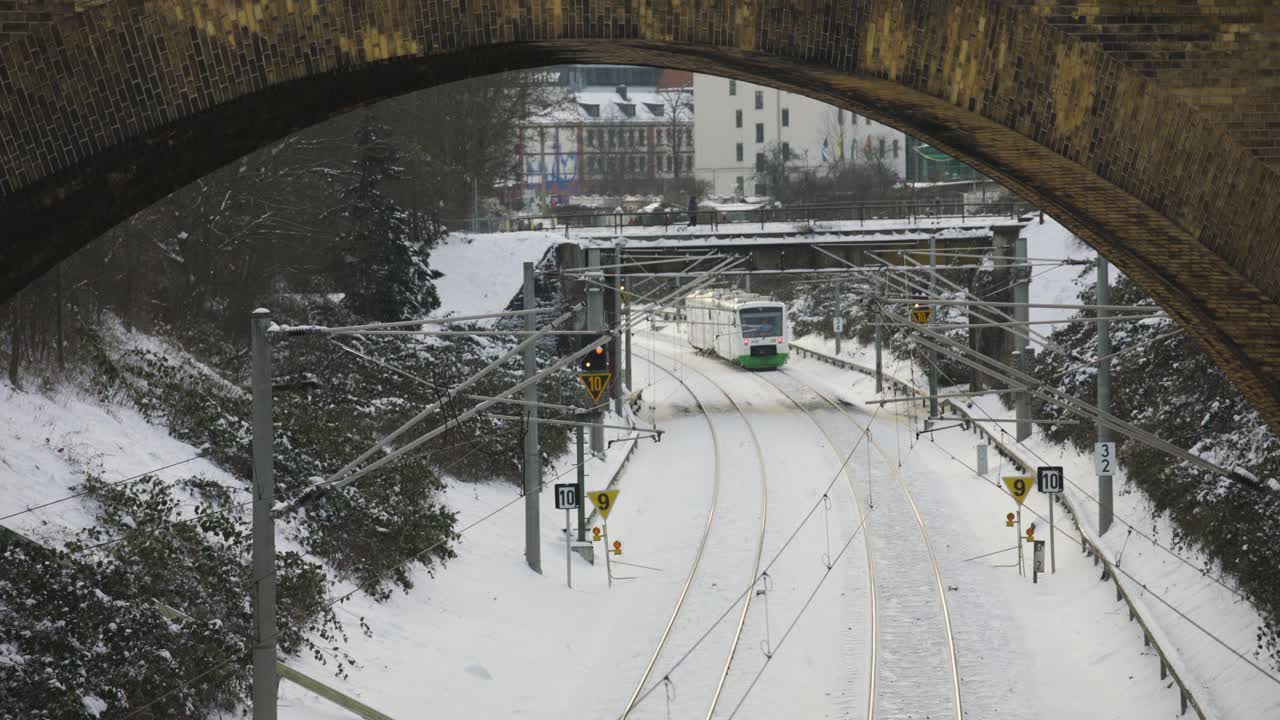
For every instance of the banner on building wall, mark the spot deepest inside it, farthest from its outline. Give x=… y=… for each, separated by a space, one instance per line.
x=557 y=173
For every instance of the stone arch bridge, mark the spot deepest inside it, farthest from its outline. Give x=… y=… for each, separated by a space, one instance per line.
x=1147 y=128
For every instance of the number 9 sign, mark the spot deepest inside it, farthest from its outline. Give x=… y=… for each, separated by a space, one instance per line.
x=1019 y=486
x=604 y=501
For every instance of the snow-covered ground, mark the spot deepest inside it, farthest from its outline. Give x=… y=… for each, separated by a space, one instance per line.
x=483 y=272
x=487 y=637
x=1227 y=685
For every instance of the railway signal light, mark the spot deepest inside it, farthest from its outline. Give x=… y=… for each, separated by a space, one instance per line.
x=596 y=361
x=617 y=547
x=595 y=534
x=1031 y=533
x=1008 y=520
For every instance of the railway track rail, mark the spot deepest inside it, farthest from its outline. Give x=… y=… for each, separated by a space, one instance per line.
x=897 y=694
x=956 y=700
x=667 y=633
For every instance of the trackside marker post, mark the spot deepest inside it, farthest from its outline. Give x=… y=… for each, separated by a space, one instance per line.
x=567 y=499
x=604 y=501
x=1049 y=480
x=1019 y=486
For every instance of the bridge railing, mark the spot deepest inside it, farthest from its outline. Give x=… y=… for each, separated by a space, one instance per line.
x=1088 y=545
x=809 y=214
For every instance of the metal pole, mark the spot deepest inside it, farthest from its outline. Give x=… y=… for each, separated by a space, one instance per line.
x=1021 y=571
x=616 y=325
x=265 y=680
x=568 y=551
x=532 y=461
x=1021 y=313
x=595 y=321
x=879 y=344
x=582 y=487
x=836 y=302
x=626 y=305
x=608 y=563
x=933 y=318
x=1053 y=557
x=1105 y=497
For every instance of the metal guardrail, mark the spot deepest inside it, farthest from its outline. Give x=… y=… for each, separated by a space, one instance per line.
x=1089 y=546
x=619 y=222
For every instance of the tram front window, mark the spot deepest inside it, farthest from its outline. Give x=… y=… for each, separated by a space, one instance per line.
x=761 y=322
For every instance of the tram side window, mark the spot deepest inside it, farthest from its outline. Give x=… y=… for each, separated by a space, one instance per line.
x=761 y=322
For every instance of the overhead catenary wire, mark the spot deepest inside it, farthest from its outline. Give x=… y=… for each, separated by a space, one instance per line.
x=768 y=566
x=966 y=356
x=804 y=608
x=1147 y=589
x=349 y=474
x=1119 y=569
x=1132 y=528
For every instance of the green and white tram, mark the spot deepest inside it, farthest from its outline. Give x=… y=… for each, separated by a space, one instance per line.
x=743 y=328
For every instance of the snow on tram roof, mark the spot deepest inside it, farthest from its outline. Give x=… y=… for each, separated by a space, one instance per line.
x=732 y=298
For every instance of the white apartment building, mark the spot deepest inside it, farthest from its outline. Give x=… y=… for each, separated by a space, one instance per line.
x=736 y=121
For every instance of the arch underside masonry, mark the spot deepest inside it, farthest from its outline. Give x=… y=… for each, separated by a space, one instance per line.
x=107 y=108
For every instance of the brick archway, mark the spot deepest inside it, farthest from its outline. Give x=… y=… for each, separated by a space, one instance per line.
x=108 y=105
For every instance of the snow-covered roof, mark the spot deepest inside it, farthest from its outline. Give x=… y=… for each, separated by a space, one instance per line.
x=606 y=105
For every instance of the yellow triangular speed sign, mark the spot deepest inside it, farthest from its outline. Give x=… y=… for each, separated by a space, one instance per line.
x=603 y=500
x=921 y=315
x=1019 y=486
x=595 y=383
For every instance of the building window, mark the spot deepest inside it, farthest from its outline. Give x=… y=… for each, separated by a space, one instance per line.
x=737 y=118
x=759 y=132
x=733 y=87
x=759 y=162
x=759 y=99
x=739 y=186
x=738 y=152
x=688 y=137
x=895 y=149
x=786 y=151
x=786 y=117
x=882 y=150
x=840 y=118
x=760 y=189
x=643 y=163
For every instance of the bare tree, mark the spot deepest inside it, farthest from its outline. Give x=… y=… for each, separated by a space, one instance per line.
x=677 y=113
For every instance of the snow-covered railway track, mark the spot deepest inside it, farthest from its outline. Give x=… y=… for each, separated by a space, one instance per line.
x=758 y=551
x=855 y=500
x=911 y=679
x=702 y=545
